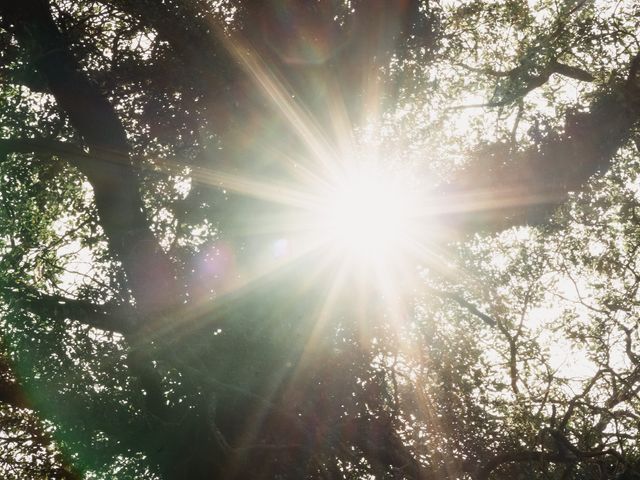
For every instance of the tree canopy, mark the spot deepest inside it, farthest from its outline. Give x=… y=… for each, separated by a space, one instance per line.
x=341 y=239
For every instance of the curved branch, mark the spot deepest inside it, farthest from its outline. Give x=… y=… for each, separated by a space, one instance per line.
x=570 y=71
x=483 y=472
x=501 y=188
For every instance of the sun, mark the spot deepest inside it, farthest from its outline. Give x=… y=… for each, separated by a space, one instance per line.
x=367 y=215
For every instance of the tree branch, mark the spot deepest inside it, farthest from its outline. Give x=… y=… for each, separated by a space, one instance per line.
x=465 y=304
x=572 y=72
x=576 y=73
x=501 y=188
x=105 y=317
x=44 y=146
x=484 y=471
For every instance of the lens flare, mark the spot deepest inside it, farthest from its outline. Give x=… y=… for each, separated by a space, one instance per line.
x=366 y=216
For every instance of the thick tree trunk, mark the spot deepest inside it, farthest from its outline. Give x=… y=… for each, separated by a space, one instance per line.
x=114 y=179
x=151 y=276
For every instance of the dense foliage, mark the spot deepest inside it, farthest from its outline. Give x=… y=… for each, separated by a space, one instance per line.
x=157 y=321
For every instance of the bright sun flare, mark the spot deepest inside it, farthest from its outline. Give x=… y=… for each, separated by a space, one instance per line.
x=367 y=216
